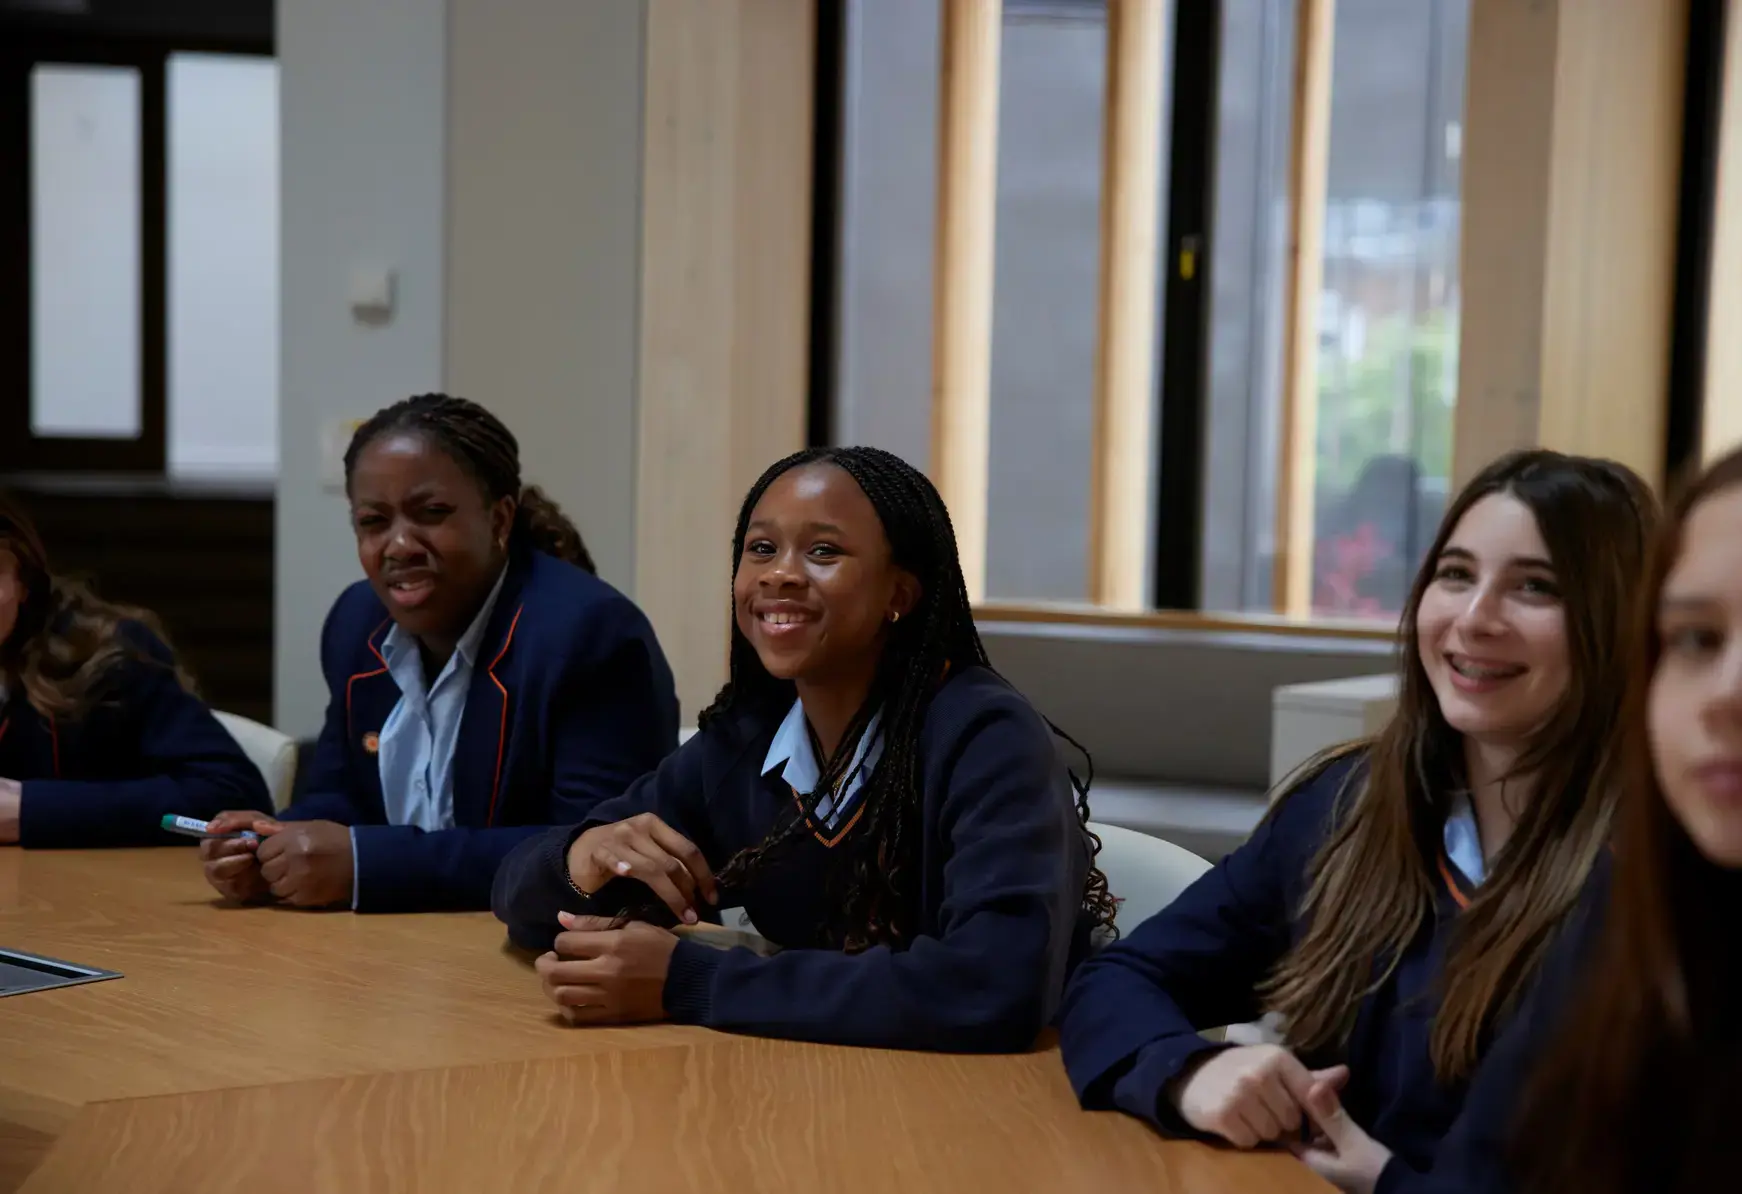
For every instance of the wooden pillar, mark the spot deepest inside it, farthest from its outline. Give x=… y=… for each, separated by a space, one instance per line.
x=1315 y=35
x=725 y=276
x=1721 y=413
x=1571 y=170
x=1125 y=358
x=962 y=307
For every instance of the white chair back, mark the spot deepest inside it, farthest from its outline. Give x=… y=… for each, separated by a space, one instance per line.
x=272 y=752
x=1145 y=873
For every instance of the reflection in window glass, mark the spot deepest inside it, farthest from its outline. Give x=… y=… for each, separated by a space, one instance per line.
x=1052 y=85
x=1388 y=310
x=84 y=252
x=1248 y=275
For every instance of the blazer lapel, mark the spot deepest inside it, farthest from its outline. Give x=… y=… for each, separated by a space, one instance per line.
x=369 y=697
x=482 y=749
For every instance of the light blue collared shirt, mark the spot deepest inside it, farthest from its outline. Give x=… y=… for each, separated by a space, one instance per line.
x=1463 y=841
x=792 y=754
x=416 y=746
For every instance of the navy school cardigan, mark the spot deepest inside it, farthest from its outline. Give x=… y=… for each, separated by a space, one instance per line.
x=1132 y=1015
x=146 y=749
x=1474 y=1157
x=571 y=701
x=1003 y=860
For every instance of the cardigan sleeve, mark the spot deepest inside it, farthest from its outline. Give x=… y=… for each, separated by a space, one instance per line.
x=1133 y=1014
x=989 y=980
x=532 y=885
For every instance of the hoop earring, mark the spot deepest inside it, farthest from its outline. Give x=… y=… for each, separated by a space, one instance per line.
x=894 y=616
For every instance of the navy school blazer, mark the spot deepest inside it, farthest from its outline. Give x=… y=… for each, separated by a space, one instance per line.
x=571 y=700
x=147 y=748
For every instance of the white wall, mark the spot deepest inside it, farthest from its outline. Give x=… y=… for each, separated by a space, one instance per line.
x=543 y=236
x=490 y=155
x=362 y=108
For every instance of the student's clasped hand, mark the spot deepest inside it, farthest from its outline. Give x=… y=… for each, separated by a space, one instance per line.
x=646 y=848
x=1342 y=1153
x=230 y=863
x=599 y=974
x=305 y=863
x=1249 y=1095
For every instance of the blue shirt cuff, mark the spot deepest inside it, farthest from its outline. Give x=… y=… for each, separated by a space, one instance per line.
x=356 y=872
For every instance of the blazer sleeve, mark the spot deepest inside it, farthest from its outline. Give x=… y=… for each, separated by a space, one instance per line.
x=188 y=764
x=612 y=717
x=532 y=885
x=1132 y=1015
x=325 y=788
x=989 y=980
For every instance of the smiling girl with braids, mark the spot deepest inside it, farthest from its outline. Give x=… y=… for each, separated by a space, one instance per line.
x=888 y=810
x=484 y=682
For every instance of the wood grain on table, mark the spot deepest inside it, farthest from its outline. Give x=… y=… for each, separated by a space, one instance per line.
x=267 y=1049
x=731 y=1114
x=220 y=996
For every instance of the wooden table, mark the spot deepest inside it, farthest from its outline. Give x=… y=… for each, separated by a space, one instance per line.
x=265 y=1049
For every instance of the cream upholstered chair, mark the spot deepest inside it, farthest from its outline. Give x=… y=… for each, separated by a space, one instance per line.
x=272 y=752
x=1144 y=873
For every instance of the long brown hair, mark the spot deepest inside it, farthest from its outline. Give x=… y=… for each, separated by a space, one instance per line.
x=1634 y=1070
x=1372 y=885
x=67 y=640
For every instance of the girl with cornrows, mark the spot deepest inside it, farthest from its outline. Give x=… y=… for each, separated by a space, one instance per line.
x=483 y=682
x=889 y=811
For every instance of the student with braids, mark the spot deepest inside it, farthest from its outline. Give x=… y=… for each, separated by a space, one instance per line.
x=483 y=682
x=1398 y=902
x=100 y=731
x=889 y=811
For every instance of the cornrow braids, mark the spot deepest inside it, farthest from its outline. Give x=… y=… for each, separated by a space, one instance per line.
x=482 y=445
x=872 y=893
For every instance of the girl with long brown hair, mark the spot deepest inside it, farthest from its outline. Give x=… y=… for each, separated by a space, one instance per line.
x=101 y=735
x=1401 y=894
x=1638 y=1018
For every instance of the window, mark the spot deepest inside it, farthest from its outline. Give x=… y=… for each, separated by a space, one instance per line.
x=1388 y=307
x=1051 y=99
x=138 y=256
x=1382 y=319
x=1386 y=325
x=223 y=264
x=84 y=260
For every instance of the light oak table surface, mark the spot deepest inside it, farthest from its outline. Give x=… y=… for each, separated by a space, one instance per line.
x=217 y=996
x=266 y=1050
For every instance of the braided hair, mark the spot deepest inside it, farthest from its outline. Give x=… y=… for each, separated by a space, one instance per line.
x=873 y=890
x=481 y=444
